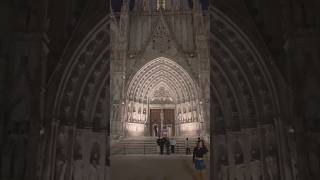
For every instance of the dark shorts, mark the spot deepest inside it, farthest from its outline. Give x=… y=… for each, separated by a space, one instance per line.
x=199 y=164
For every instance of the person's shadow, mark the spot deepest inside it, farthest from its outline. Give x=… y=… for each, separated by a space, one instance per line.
x=187 y=168
x=190 y=170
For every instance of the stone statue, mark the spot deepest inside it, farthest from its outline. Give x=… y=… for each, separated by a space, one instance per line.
x=61 y=160
x=94 y=171
x=255 y=165
x=271 y=162
x=223 y=173
x=255 y=169
x=115 y=113
x=240 y=172
x=61 y=164
x=179 y=117
x=145 y=5
x=239 y=162
x=94 y=168
x=78 y=164
x=116 y=89
x=272 y=167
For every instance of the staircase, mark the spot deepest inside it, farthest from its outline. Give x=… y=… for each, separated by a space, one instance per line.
x=181 y=144
x=148 y=145
x=141 y=145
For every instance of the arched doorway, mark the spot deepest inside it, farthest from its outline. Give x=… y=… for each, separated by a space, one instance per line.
x=162 y=100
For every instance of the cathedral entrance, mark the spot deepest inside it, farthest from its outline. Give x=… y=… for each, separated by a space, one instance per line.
x=162 y=122
x=162 y=100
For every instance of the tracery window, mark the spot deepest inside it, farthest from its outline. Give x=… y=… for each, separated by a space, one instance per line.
x=161 y=4
x=145 y=5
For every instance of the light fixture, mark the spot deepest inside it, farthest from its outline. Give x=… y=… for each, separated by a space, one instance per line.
x=42 y=131
x=291 y=130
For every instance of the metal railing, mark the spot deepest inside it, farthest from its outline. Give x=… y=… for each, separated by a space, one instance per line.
x=147 y=148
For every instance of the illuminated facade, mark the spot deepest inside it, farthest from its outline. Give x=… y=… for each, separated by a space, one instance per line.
x=160 y=64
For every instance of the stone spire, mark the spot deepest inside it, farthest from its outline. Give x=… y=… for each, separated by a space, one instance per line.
x=142 y=5
x=125 y=7
x=124 y=18
x=153 y=5
x=197 y=5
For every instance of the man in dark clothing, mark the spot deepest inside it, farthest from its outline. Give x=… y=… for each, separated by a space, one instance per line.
x=158 y=142
x=155 y=130
x=168 y=146
x=162 y=143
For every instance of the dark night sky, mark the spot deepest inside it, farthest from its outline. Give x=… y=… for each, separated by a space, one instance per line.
x=116 y=4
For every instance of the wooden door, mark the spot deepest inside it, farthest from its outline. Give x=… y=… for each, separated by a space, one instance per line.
x=168 y=120
x=155 y=120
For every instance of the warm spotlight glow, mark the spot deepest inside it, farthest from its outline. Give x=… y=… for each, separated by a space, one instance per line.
x=135 y=129
x=190 y=128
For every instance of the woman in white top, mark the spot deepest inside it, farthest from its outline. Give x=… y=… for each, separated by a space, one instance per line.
x=188 y=151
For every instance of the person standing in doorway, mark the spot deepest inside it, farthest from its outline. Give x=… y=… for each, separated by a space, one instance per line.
x=188 y=152
x=198 y=158
x=172 y=144
x=155 y=127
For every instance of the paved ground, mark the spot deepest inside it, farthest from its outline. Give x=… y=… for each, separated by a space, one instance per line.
x=153 y=167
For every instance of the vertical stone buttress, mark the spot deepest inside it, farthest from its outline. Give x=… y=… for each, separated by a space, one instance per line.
x=118 y=69
x=202 y=53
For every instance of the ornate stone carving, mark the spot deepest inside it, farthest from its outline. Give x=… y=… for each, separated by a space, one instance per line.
x=161 y=39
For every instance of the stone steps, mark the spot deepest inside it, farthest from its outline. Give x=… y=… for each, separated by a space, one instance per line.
x=148 y=145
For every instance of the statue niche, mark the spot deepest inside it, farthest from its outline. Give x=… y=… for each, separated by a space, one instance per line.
x=78 y=172
x=255 y=164
x=222 y=164
x=94 y=168
x=240 y=171
x=61 y=155
x=272 y=165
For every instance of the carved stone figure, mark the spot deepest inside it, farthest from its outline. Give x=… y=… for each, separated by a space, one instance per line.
x=223 y=164
x=224 y=172
x=78 y=163
x=94 y=167
x=255 y=169
x=116 y=86
x=271 y=162
x=94 y=173
x=240 y=172
x=61 y=164
x=255 y=165
x=61 y=160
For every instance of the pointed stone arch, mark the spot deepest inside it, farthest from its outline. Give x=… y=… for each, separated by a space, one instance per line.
x=162 y=70
x=80 y=82
x=248 y=92
x=242 y=74
x=182 y=91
